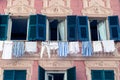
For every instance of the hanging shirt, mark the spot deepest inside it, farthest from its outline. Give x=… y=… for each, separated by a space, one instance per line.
x=87 y=48
x=45 y=46
x=31 y=47
x=63 y=49
x=97 y=46
x=108 y=45
x=1 y=45
x=53 y=45
x=7 y=50
x=18 y=49
x=74 y=47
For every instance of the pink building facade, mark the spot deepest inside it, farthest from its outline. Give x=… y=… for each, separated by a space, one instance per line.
x=74 y=66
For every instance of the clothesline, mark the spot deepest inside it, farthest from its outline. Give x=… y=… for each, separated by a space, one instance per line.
x=63 y=48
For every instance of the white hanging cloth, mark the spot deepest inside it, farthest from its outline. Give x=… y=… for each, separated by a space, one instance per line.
x=7 y=50
x=108 y=45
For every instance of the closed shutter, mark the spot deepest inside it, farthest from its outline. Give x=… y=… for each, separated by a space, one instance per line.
x=3 y=27
x=97 y=74
x=20 y=74
x=32 y=27
x=71 y=74
x=109 y=75
x=83 y=34
x=9 y=75
x=41 y=27
x=114 y=27
x=72 y=28
x=41 y=73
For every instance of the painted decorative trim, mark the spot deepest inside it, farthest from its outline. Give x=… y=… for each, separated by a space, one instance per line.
x=102 y=65
x=97 y=8
x=56 y=8
x=20 y=7
x=16 y=65
x=56 y=65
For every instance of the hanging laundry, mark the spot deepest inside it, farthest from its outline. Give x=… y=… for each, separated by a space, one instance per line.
x=53 y=45
x=108 y=45
x=87 y=48
x=97 y=46
x=63 y=49
x=74 y=47
x=18 y=49
x=1 y=45
x=31 y=47
x=45 y=45
x=7 y=50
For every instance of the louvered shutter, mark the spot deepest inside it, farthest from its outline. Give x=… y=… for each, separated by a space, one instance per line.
x=20 y=74
x=41 y=27
x=97 y=74
x=3 y=27
x=72 y=28
x=109 y=75
x=83 y=34
x=41 y=73
x=8 y=75
x=32 y=27
x=114 y=27
x=71 y=73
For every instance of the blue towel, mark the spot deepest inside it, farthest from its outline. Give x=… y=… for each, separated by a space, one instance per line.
x=63 y=49
x=18 y=49
x=87 y=48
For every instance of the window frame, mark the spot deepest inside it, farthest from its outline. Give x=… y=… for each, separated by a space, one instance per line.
x=55 y=71
x=9 y=32
x=105 y=19
x=48 y=28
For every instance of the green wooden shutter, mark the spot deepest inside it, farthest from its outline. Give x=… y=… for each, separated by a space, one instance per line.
x=109 y=75
x=97 y=74
x=9 y=75
x=32 y=27
x=20 y=74
x=3 y=27
x=72 y=28
x=71 y=73
x=41 y=27
x=83 y=34
x=41 y=73
x=114 y=27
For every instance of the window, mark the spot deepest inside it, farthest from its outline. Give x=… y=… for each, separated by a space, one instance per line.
x=19 y=29
x=102 y=75
x=98 y=29
x=69 y=74
x=56 y=29
x=14 y=75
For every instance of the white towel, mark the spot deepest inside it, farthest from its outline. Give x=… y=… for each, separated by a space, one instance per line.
x=31 y=46
x=97 y=46
x=109 y=46
x=1 y=45
x=7 y=50
x=74 y=47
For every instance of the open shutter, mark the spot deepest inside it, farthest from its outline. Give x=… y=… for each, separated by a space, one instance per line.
x=97 y=74
x=83 y=34
x=41 y=27
x=109 y=75
x=41 y=74
x=32 y=27
x=71 y=74
x=20 y=74
x=9 y=75
x=3 y=27
x=72 y=28
x=114 y=27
